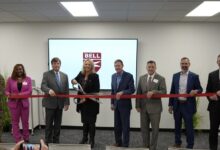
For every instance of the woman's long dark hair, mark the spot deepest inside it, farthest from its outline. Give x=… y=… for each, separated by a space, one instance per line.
x=14 y=73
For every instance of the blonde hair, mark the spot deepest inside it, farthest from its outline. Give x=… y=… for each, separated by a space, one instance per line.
x=92 y=66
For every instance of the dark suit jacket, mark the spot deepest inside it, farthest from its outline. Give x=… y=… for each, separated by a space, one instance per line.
x=193 y=83
x=49 y=82
x=213 y=86
x=126 y=85
x=92 y=86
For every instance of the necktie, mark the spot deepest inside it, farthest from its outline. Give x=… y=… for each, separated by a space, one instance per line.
x=118 y=79
x=149 y=83
x=58 y=79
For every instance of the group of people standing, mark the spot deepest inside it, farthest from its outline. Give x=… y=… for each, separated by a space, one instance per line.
x=55 y=83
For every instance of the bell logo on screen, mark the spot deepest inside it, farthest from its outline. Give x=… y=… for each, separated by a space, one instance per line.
x=95 y=57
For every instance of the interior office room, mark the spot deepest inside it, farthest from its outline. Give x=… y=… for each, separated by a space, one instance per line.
x=163 y=30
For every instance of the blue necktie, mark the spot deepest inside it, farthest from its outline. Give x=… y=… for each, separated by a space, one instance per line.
x=118 y=79
x=58 y=79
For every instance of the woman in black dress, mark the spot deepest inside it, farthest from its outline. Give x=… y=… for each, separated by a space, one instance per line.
x=88 y=108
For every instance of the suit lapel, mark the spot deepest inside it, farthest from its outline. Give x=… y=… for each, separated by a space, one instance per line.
x=115 y=81
x=218 y=76
x=153 y=83
x=177 y=81
x=61 y=79
x=217 y=79
x=145 y=82
x=15 y=85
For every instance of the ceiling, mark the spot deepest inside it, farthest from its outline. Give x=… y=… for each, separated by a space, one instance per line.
x=108 y=10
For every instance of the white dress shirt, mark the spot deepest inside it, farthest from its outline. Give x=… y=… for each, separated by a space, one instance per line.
x=183 y=85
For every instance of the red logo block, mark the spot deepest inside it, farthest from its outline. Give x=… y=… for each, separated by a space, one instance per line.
x=96 y=57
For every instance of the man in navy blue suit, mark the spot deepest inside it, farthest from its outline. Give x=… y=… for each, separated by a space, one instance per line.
x=122 y=84
x=184 y=82
x=213 y=86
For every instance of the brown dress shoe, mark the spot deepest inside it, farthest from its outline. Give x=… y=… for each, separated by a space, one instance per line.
x=177 y=145
x=116 y=145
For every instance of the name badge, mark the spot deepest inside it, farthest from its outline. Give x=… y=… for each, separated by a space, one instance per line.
x=25 y=83
x=155 y=81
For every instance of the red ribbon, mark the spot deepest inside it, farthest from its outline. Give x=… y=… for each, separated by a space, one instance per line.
x=140 y=96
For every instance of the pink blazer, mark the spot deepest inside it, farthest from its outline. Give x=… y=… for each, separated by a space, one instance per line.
x=11 y=88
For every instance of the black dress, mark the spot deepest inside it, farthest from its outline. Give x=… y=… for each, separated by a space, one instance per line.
x=89 y=109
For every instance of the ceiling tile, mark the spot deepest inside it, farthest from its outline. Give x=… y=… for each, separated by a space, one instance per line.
x=88 y=19
x=7 y=1
x=15 y=7
x=109 y=10
x=176 y=13
x=8 y=17
x=41 y=6
x=168 y=18
x=142 y=18
x=61 y=19
x=215 y=18
x=142 y=13
x=184 y=0
x=113 y=14
x=143 y=6
x=180 y=5
x=108 y=6
x=31 y=16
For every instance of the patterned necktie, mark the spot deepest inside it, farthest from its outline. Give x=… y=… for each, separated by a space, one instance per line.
x=149 y=83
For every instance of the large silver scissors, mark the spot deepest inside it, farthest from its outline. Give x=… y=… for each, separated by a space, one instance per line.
x=77 y=87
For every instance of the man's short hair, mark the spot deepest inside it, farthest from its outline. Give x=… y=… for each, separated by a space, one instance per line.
x=151 y=62
x=55 y=59
x=183 y=58
x=219 y=56
x=119 y=60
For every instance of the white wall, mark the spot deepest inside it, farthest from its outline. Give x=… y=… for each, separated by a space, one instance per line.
x=165 y=43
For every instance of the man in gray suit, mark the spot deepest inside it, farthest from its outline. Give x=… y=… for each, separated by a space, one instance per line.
x=150 y=108
x=54 y=82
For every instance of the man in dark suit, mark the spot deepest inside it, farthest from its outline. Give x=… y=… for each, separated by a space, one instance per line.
x=184 y=82
x=150 y=108
x=122 y=84
x=54 y=82
x=213 y=86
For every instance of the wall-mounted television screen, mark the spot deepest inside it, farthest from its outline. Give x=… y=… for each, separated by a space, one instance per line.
x=103 y=52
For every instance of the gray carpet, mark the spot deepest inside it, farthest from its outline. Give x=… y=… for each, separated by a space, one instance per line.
x=106 y=137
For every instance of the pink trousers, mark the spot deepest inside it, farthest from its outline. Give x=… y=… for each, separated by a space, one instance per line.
x=17 y=114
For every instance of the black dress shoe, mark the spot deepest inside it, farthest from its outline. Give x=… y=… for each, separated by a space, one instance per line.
x=83 y=141
x=92 y=143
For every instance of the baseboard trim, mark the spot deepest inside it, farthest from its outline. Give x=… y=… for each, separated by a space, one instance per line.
x=111 y=128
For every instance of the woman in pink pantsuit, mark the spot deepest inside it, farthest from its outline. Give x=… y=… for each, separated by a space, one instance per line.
x=19 y=84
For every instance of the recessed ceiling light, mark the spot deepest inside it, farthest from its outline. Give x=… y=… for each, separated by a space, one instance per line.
x=205 y=9
x=81 y=9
